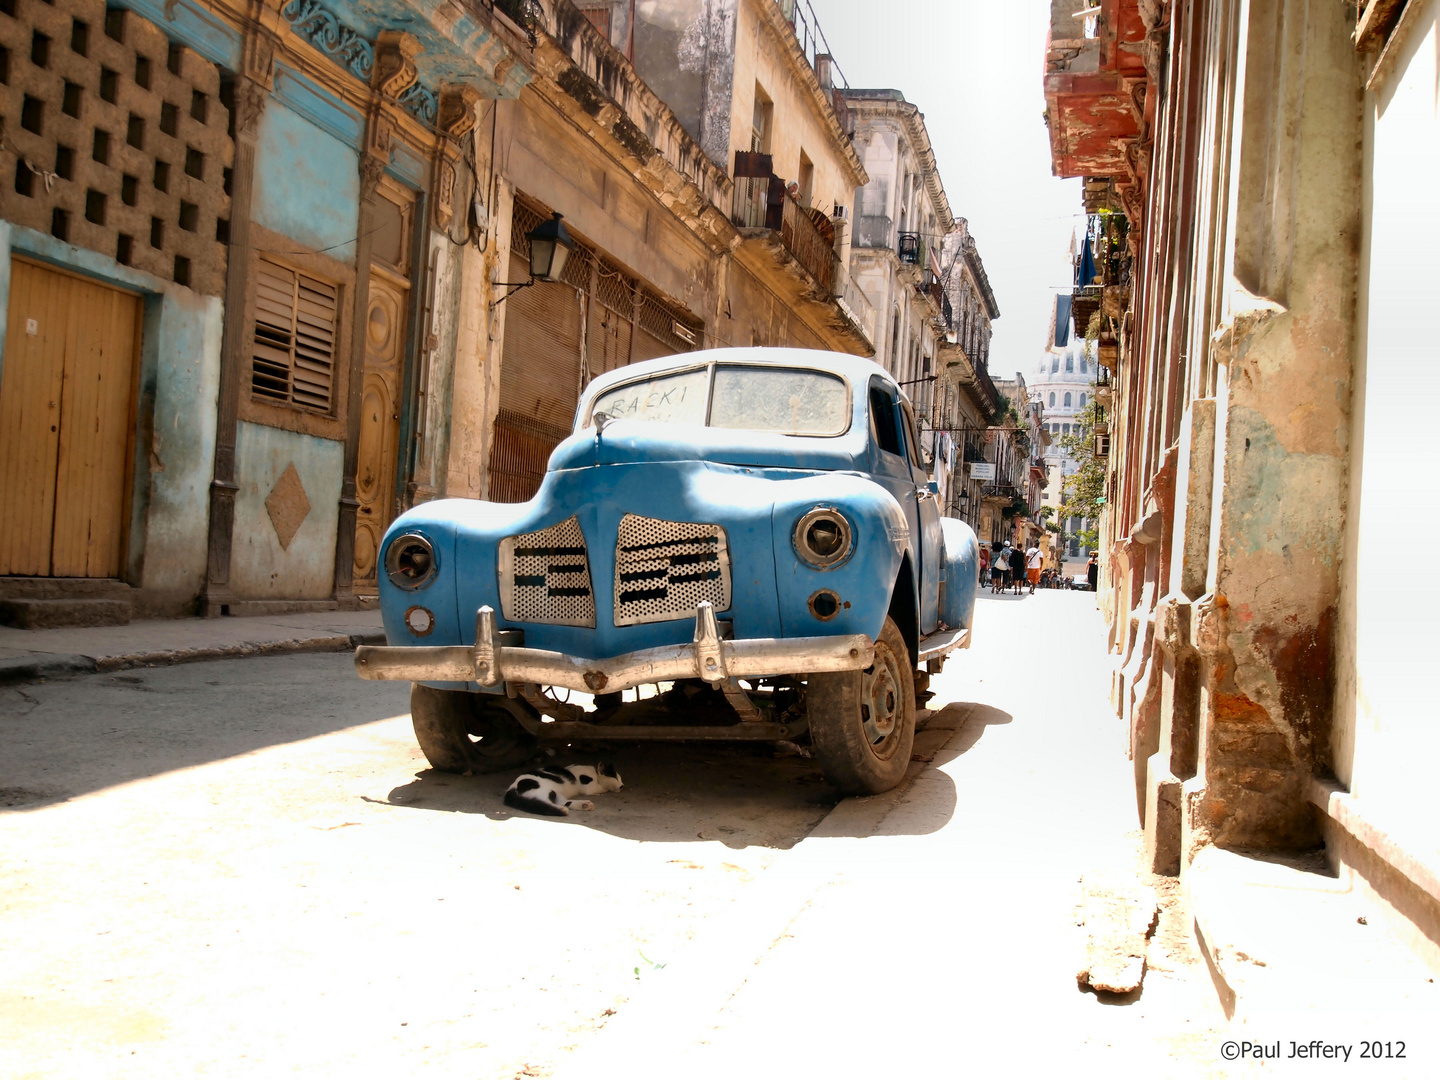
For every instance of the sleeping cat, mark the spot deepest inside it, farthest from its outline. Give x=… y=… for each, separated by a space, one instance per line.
x=551 y=791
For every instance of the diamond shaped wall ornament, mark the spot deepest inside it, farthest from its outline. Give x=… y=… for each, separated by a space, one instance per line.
x=287 y=505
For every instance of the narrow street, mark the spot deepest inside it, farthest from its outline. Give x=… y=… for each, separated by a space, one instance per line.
x=274 y=882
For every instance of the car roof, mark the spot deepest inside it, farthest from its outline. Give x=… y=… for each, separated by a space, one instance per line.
x=857 y=369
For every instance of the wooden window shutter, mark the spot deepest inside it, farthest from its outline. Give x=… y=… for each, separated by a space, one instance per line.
x=294 y=337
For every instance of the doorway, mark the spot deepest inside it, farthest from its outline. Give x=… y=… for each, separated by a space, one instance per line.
x=67 y=422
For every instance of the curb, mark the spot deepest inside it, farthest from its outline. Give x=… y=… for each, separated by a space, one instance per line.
x=57 y=665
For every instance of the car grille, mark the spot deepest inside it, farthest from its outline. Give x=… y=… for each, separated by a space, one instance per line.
x=545 y=577
x=664 y=568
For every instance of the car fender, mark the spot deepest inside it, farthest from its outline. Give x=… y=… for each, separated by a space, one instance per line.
x=863 y=582
x=961 y=563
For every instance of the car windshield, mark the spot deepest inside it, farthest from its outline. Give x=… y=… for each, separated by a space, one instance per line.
x=788 y=401
x=677 y=397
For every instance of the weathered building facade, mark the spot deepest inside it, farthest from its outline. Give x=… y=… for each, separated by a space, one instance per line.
x=294 y=234
x=1259 y=174
x=966 y=401
x=902 y=217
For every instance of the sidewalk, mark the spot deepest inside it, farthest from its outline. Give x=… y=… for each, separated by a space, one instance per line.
x=27 y=655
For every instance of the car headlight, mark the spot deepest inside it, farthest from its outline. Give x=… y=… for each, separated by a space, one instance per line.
x=824 y=538
x=410 y=561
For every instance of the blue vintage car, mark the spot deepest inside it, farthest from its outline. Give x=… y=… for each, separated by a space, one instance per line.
x=753 y=528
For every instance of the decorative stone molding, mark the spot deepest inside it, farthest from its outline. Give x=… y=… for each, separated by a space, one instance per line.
x=372 y=167
x=319 y=26
x=394 y=70
x=388 y=65
x=250 y=100
x=456 y=112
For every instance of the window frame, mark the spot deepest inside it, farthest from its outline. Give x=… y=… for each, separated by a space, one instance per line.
x=267 y=244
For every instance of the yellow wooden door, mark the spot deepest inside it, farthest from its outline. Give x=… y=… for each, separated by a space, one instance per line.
x=67 y=393
x=379 y=451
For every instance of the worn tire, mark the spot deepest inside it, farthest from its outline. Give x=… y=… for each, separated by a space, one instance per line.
x=462 y=732
x=862 y=723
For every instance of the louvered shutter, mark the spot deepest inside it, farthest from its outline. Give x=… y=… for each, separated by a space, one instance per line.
x=294 y=346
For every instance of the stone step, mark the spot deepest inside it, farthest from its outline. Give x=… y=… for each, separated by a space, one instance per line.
x=63 y=588
x=48 y=614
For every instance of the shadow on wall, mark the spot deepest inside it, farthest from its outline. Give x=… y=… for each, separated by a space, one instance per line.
x=740 y=794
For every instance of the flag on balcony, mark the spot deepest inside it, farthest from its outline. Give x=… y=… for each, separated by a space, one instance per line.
x=1060 y=320
x=1087 y=272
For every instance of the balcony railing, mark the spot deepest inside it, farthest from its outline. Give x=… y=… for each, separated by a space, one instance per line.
x=861 y=309
x=802 y=237
x=762 y=202
x=909 y=247
x=930 y=286
x=947 y=310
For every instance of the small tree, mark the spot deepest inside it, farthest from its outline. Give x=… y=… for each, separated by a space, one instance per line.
x=1082 y=493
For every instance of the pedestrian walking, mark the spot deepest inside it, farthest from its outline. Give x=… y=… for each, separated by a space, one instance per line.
x=999 y=567
x=984 y=564
x=1092 y=571
x=1033 y=561
x=1017 y=568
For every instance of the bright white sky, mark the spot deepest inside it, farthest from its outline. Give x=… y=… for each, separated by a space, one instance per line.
x=974 y=68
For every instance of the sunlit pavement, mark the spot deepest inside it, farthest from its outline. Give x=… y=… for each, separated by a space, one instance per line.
x=944 y=939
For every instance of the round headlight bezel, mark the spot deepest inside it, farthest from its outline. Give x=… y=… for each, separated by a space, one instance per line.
x=807 y=550
x=395 y=552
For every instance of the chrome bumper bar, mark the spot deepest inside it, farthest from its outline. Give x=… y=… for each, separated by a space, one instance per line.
x=707 y=657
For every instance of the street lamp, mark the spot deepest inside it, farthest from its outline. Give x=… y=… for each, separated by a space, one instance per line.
x=550 y=248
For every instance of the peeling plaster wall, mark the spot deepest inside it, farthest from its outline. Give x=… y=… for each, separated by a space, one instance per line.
x=307 y=183
x=797 y=126
x=685 y=52
x=260 y=568
x=1386 y=738
x=542 y=156
x=1282 y=439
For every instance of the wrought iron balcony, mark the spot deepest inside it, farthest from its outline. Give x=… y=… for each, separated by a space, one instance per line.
x=762 y=202
x=909 y=247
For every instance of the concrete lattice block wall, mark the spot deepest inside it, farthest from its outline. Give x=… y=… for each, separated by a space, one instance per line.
x=114 y=139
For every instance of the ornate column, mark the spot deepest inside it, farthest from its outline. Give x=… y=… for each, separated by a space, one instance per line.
x=252 y=91
x=374 y=158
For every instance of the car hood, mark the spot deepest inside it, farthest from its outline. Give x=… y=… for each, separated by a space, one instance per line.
x=633 y=442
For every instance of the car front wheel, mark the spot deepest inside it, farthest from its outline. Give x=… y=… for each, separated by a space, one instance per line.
x=862 y=723
x=461 y=732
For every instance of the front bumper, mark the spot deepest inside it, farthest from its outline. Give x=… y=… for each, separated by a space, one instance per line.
x=491 y=662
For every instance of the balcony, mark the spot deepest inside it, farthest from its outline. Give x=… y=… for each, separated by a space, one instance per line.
x=856 y=305
x=762 y=202
x=908 y=246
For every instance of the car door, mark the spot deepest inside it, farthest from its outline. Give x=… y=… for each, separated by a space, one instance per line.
x=890 y=462
x=929 y=542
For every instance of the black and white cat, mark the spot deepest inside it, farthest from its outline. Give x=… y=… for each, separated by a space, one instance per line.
x=552 y=791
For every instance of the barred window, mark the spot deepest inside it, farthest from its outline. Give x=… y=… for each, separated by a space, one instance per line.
x=294 y=347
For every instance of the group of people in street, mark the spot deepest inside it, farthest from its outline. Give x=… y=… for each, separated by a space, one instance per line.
x=1007 y=568
x=1012 y=568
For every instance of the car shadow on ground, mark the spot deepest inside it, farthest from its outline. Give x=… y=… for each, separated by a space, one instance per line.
x=739 y=794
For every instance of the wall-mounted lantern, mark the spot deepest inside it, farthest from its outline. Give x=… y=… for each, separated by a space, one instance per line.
x=550 y=248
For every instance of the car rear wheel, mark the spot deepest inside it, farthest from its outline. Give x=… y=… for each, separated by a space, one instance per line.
x=862 y=723
x=462 y=732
